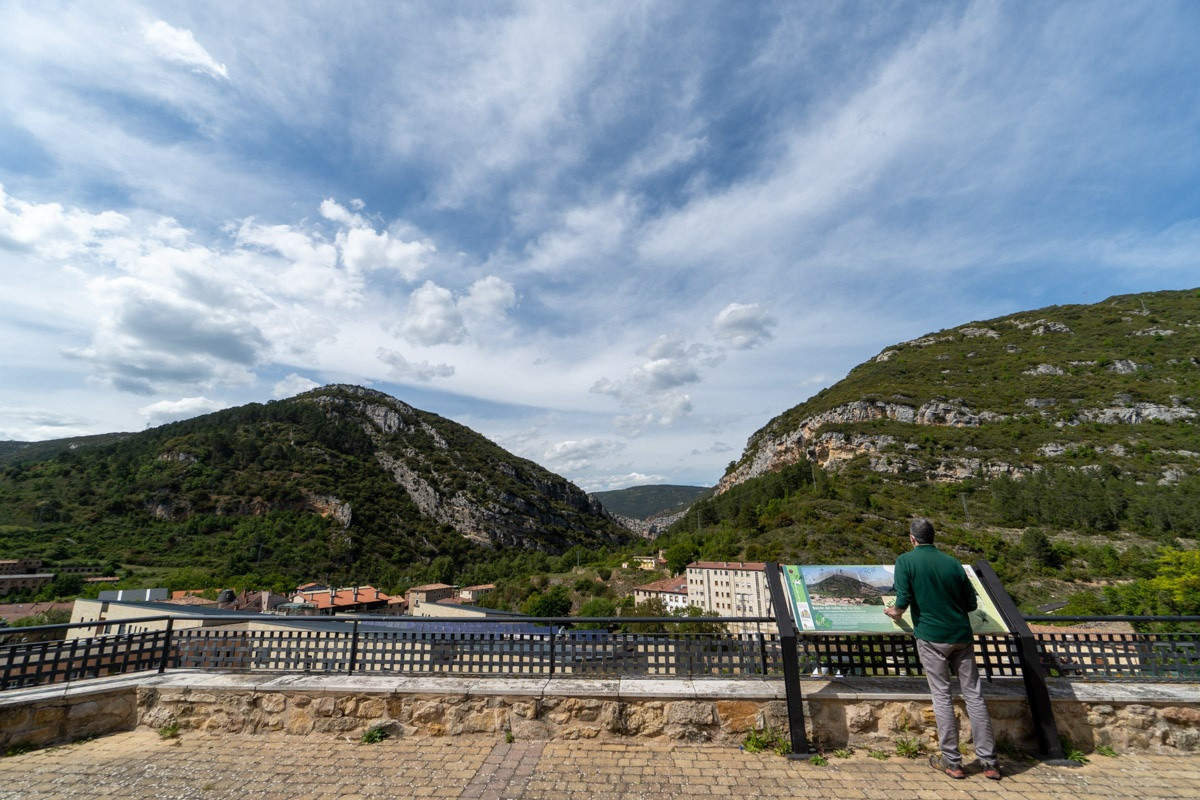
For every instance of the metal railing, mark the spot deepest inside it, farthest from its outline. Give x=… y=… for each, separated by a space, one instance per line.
x=553 y=647
x=1104 y=655
x=511 y=647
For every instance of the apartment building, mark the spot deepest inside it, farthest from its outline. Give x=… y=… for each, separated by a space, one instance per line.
x=730 y=589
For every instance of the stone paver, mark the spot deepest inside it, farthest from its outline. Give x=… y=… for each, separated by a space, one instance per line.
x=141 y=766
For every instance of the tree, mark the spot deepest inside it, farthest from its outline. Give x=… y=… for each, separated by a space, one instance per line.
x=554 y=602
x=1038 y=549
x=680 y=554
x=597 y=607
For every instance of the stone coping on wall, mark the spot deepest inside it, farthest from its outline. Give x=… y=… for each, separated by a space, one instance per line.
x=844 y=689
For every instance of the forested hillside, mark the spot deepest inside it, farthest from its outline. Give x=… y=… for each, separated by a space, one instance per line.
x=1060 y=444
x=644 y=502
x=341 y=483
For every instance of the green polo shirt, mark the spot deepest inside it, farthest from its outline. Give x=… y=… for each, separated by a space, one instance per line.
x=936 y=588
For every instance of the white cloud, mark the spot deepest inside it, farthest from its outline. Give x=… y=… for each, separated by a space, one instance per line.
x=608 y=483
x=334 y=211
x=179 y=46
x=743 y=327
x=293 y=385
x=576 y=456
x=364 y=249
x=50 y=230
x=662 y=409
x=166 y=411
x=660 y=374
x=489 y=298
x=432 y=318
x=35 y=424
x=405 y=370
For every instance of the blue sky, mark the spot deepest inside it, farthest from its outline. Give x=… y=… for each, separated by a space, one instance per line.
x=614 y=237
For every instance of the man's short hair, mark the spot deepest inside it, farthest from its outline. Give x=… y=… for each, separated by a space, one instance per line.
x=921 y=529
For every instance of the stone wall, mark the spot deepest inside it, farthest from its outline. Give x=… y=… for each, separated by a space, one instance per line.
x=1157 y=719
x=46 y=718
x=833 y=718
x=527 y=718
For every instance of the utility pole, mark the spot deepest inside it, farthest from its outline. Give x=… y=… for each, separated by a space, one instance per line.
x=966 y=514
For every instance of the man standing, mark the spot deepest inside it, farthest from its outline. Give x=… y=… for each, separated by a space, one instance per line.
x=941 y=596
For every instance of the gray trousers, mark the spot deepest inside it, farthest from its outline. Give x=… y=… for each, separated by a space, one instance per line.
x=938 y=659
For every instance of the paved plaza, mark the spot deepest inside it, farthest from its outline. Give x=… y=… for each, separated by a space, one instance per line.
x=139 y=765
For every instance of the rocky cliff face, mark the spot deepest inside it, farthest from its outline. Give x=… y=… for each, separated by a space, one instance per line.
x=1081 y=376
x=459 y=479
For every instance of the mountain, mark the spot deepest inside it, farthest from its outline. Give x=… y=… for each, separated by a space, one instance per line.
x=650 y=510
x=340 y=481
x=1061 y=444
x=1008 y=396
x=644 y=502
x=12 y=452
x=845 y=586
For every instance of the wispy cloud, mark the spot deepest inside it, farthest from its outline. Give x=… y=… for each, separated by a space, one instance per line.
x=635 y=231
x=179 y=46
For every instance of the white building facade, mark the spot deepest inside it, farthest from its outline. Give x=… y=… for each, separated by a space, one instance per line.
x=730 y=589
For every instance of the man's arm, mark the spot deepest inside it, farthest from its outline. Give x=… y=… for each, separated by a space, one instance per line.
x=900 y=582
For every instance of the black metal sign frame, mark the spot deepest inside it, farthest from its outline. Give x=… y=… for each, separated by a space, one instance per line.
x=791 y=664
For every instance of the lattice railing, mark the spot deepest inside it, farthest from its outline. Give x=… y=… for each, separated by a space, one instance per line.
x=1121 y=656
x=41 y=662
x=825 y=655
x=336 y=646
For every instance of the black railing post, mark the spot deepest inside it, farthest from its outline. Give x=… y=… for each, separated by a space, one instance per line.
x=553 y=640
x=791 y=663
x=166 y=653
x=353 y=647
x=1036 y=691
x=762 y=653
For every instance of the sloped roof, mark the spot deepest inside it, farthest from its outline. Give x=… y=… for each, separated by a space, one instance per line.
x=677 y=585
x=344 y=597
x=747 y=566
x=429 y=587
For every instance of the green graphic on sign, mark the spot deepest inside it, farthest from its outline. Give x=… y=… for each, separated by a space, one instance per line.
x=851 y=599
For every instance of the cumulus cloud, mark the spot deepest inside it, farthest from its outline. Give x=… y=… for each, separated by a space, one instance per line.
x=742 y=326
x=363 y=248
x=489 y=298
x=51 y=231
x=607 y=483
x=179 y=46
x=335 y=212
x=154 y=334
x=432 y=318
x=662 y=409
x=650 y=389
x=165 y=411
x=293 y=385
x=403 y=369
x=166 y=314
x=578 y=455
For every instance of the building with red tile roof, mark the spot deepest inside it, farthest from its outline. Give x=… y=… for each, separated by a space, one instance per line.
x=347 y=600
x=672 y=591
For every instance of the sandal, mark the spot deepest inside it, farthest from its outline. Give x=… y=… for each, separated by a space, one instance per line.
x=937 y=763
x=991 y=771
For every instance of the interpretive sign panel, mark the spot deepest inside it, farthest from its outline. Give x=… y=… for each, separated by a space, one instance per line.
x=851 y=599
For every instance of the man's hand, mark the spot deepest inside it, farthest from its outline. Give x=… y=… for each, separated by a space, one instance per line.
x=896 y=614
